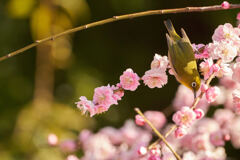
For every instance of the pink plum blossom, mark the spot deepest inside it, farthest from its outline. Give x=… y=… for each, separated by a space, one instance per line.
x=157 y=118
x=68 y=146
x=155 y=78
x=72 y=157
x=225 y=32
x=142 y=151
x=223 y=70
x=206 y=68
x=225 y=50
x=238 y=16
x=180 y=132
x=199 y=113
x=52 y=139
x=225 y=5
x=85 y=105
x=212 y=93
x=160 y=62
x=217 y=138
x=104 y=96
x=139 y=120
x=185 y=117
x=200 y=51
x=129 y=80
x=118 y=92
x=236 y=100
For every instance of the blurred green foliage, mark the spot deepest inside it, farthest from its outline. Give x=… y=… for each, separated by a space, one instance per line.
x=83 y=61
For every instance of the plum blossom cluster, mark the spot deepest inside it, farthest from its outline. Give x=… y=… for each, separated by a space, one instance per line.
x=205 y=140
x=105 y=96
x=198 y=138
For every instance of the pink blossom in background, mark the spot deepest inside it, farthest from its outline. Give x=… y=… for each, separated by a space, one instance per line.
x=235 y=132
x=199 y=113
x=217 y=138
x=155 y=78
x=72 y=157
x=83 y=135
x=68 y=146
x=104 y=96
x=185 y=117
x=113 y=135
x=228 y=82
x=160 y=62
x=139 y=120
x=238 y=16
x=142 y=151
x=85 y=105
x=236 y=100
x=129 y=80
x=236 y=72
x=180 y=132
x=157 y=118
x=212 y=93
x=223 y=116
x=52 y=139
x=224 y=50
x=225 y=5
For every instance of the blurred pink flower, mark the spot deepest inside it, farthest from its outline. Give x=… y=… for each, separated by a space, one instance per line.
x=83 y=135
x=223 y=116
x=238 y=16
x=142 y=151
x=104 y=96
x=185 y=117
x=160 y=62
x=225 y=5
x=217 y=138
x=212 y=93
x=85 y=105
x=180 y=132
x=199 y=113
x=129 y=80
x=72 y=157
x=236 y=72
x=113 y=134
x=204 y=87
x=52 y=139
x=155 y=78
x=235 y=132
x=157 y=118
x=68 y=146
x=236 y=100
x=139 y=120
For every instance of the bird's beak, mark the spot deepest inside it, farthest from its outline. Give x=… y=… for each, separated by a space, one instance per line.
x=195 y=94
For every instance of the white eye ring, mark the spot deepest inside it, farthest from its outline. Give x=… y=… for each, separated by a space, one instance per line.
x=194 y=84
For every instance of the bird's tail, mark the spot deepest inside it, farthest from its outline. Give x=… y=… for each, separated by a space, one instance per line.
x=171 y=30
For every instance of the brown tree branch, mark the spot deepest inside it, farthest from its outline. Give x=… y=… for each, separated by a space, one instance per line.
x=158 y=133
x=118 y=18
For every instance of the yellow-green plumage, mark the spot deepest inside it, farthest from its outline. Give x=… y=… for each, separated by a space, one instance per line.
x=181 y=58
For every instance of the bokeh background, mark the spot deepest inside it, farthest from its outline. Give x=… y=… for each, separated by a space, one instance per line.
x=39 y=88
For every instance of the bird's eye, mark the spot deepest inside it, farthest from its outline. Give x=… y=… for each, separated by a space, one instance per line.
x=194 y=84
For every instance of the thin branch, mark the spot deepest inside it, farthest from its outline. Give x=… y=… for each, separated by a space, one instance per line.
x=158 y=133
x=118 y=18
x=196 y=101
